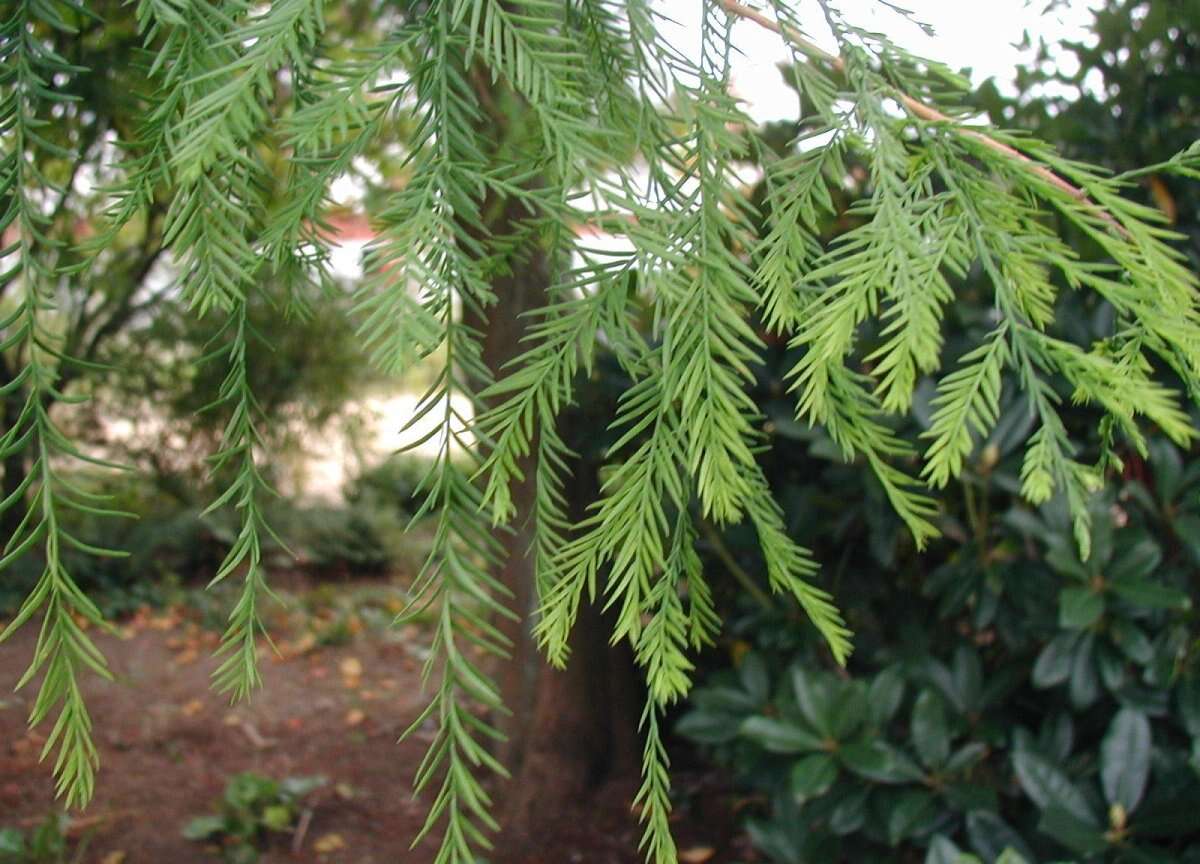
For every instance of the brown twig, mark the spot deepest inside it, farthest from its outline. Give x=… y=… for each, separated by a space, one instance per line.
x=920 y=109
x=77 y=824
x=301 y=831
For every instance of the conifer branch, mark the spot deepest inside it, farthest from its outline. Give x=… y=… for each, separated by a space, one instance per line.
x=64 y=649
x=921 y=109
x=238 y=673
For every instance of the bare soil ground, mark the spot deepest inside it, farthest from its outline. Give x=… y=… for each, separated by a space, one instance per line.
x=168 y=745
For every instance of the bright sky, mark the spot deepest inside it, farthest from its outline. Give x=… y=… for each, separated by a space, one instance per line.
x=980 y=34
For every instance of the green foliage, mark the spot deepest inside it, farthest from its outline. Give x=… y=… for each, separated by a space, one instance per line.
x=46 y=844
x=64 y=650
x=169 y=542
x=584 y=112
x=251 y=807
x=1008 y=694
x=365 y=534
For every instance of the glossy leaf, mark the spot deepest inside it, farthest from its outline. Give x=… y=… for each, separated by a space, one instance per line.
x=910 y=812
x=812 y=776
x=1125 y=759
x=1047 y=786
x=990 y=835
x=779 y=736
x=1079 y=608
x=1053 y=665
x=930 y=733
x=1079 y=835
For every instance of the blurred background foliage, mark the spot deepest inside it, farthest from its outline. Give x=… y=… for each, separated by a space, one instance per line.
x=144 y=372
x=1006 y=701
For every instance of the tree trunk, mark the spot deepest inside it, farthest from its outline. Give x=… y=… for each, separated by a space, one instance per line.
x=574 y=731
x=14 y=464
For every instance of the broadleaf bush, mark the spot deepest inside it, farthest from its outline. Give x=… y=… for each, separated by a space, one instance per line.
x=1009 y=699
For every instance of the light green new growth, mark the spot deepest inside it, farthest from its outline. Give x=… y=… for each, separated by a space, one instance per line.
x=615 y=128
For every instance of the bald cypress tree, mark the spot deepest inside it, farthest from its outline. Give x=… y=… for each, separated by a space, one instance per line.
x=612 y=127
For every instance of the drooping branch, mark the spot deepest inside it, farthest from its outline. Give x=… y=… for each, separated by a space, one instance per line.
x=920 y=109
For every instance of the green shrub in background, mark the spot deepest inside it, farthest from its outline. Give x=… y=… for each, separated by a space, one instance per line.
x=172 y=542
x=252 y=806
x=1012 y=698
x=365 y=534
x=45 y=844
x=167 y=540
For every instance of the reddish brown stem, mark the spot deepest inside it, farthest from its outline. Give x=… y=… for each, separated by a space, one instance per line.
x=922 y=110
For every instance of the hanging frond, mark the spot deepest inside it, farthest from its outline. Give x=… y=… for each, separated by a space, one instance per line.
x=33 y=271
x=246 y=492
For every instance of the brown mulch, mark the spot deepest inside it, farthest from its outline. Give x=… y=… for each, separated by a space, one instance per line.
x=168 y=745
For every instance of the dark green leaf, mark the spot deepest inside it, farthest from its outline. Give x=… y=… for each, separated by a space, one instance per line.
x=1133 y=643
x=990 y=835
x=753 y=675
x=812 y=776
x=1151 y=595
x=1125 y=759
x=968 y=678
x=930 y=735
x=965 y=757
x=1047 y=786
x=879 y=761
x=965 y=797
x=1187 y=697
x=908 y=814
x=1084 y=684
x=779 y=736
x=1110 y=664
x=847 y=709
x=720 y=699
x=1187 y=529
x=1079 y=608
x=884 y=696
x=812 y=691
x=1056 y=737
x=1053 y=664
x=1079 y=835
x=776 y=841
x=849 y=814
x=1137 y=562
x=708 y=728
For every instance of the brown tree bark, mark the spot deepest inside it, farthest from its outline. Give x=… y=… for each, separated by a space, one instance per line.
x=571 y=732
x=14 y=465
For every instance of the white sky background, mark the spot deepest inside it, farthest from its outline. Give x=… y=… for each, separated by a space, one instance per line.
x=980 y=34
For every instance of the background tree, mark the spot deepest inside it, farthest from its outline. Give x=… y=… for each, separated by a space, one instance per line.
x=116 y=308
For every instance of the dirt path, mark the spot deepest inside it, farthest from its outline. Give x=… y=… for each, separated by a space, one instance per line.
x=168 y=744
